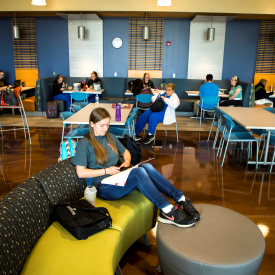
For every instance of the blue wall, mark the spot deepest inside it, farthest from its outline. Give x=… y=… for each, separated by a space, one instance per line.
x=6 y=51
x=240 y=51
x=115 y=60
x=52 y=46
x=175 y=57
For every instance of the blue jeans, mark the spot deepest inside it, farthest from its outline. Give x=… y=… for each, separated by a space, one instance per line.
x=65 y=97
x=149 y=181
x=152 y=118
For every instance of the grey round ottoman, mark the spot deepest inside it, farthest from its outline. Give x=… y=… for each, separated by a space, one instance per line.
x=223 y=242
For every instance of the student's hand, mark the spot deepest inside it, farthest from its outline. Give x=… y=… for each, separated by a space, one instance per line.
x=63 y=85
x=162 y=97
x=125 y=164
x=112 y=170
x=62 y=89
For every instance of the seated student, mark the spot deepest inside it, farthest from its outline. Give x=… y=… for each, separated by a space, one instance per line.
x=146 y=81
x=206 y=89
x=93 y=80
x=137 y=88
x=260 y=91
x=96 y=158
x=3 y=85
x=57 y=91
x=235 y=94
x=167 y=116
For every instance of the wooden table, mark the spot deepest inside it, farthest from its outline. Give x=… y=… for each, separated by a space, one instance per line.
x=253 y=118
x=88 y=91
x=82 y=116
x=196 y=93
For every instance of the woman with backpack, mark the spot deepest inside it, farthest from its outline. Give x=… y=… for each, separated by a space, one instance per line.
x=96 y=158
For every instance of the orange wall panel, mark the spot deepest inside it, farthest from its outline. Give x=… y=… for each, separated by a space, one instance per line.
x=269 y=77
x=29 y=76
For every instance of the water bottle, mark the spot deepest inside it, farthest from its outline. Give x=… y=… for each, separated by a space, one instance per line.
x=96 y=99
x=118 y=112
x=66 y=86
x=271 y=88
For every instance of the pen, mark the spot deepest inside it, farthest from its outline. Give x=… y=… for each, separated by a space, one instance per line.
x=111 y=147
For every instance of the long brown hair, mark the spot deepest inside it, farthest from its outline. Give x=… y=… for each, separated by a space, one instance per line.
x=143 y=80
x=100 y=153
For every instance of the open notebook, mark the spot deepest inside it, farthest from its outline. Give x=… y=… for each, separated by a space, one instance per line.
x=121 y=178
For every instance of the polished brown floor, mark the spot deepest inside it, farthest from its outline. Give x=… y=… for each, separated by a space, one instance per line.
x=190 y=165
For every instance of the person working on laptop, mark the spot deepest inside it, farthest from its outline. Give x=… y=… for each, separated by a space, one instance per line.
x=93 y=80
x=206 y=89
x=3 y=85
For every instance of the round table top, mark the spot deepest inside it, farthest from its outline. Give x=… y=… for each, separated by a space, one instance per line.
x=221 y=237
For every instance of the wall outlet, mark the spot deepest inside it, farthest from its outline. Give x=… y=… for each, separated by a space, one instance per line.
x=53 y=73
x=115 y=74
x=174 y=75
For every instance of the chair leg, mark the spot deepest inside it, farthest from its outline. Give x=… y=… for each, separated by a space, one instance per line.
x=201 y=116
x=263 y=150
x=221 y=148
x=165 y=130
x=271 y=166
x=224 y=153
x=256 y=153
x=155 y=137
x=210 y=131
x=145 y=238
x=177 y=132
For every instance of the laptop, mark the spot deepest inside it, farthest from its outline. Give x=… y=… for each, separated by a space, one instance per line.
x=17 y=83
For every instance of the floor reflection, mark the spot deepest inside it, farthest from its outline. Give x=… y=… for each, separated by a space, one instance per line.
x=191 y=165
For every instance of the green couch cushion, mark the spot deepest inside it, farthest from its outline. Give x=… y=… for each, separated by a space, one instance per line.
x=58 y=252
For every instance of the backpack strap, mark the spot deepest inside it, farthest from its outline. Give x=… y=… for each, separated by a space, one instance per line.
x=71 y=147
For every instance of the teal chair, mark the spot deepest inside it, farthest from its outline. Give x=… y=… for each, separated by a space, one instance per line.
x=209 y=100
x=83 y=104
x=75 y=109
x=143 y=98
x=77 y=97
x=230 y=136
x=78 y=132
x=128 y=130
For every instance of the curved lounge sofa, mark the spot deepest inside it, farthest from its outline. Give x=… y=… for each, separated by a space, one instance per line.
x=115 y=88
x=30 y=245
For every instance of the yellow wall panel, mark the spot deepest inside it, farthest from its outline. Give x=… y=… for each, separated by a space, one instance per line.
x=29 y=76
x=269 y=77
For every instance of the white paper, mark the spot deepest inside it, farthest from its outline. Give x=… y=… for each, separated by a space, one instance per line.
x=121 y=178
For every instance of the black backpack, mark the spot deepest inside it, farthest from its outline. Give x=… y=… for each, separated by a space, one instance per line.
x=133 y=148
x=81 y=218
x=10 y=99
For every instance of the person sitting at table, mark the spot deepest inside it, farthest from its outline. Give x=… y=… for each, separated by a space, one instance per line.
x=96 y=159
x=167 y=116
x=93 y=80
x=260 y=91
x=138 y=89
x=3 y=85
x=235 y=94
x=57 y=91
x=146 y=81
x=206 y=89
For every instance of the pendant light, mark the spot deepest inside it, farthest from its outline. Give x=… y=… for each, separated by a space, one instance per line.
x=211 y=32
x=15 y=30
x=164 y=3
x=39 y=2
x=81 y=30
x=146 y=29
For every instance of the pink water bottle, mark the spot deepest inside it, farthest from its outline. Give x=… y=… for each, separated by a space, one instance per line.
x=118 y=112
